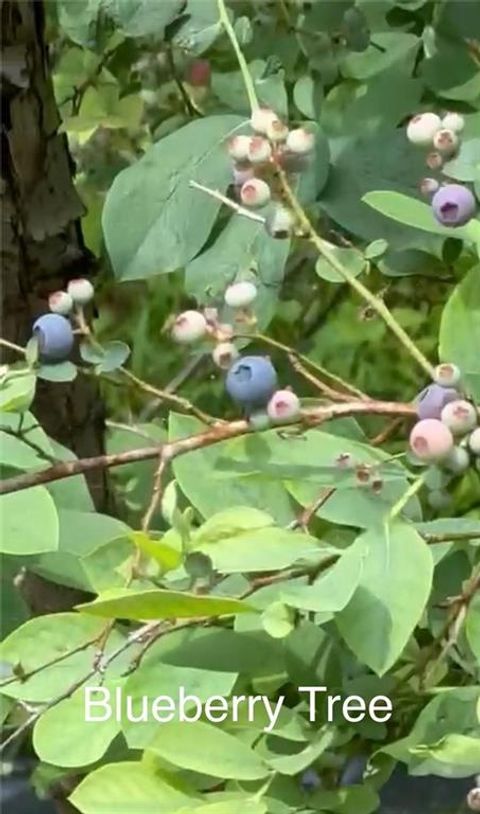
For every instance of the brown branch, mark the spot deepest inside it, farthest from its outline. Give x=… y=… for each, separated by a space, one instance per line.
x=213 y=435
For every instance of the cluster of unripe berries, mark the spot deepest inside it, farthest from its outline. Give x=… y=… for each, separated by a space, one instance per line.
x=452 y=204
x=447 y=434
x=54 y=332
x=255 y=158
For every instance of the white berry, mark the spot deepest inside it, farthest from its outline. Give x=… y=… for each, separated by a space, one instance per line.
x=189 y=327
x=445 y=141
x=459 y=416
x=300 y=141
x=224 y=354
x=279 y=223
x=422 y=128
x=474 y=441
x=60 y=302
x=259 y=150
x=453 y=121
x=255 y=192
x=473 y=799
x=283 y=406
x=238 y=148
x=261 y=118
x=81 y=291
x=240 y=295
x=447 y=375
x=277 y=131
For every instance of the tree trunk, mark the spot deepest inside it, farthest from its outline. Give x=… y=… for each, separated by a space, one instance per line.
x=42 y=245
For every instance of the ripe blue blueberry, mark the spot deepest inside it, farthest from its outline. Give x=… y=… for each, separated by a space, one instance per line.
x=55 y=337
x=432 y=399
x=251 y=381
x=353 y=770
x=453 y=205
x=310 y=780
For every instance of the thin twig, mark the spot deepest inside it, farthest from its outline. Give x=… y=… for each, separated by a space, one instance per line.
x=240 y=210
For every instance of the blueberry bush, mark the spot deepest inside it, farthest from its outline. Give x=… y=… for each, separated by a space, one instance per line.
x=273 y=305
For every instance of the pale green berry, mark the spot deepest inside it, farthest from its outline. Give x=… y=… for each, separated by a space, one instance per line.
x=474 y=441
x=459 y=416
x=191 y=326
x=60 y=302
x=438 y=499
x=422 y=128
x=457 y=460
x=453 y=121
x=447 y=375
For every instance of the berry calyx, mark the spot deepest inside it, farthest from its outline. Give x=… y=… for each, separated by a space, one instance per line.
x=81 y=291
x=300 y=141
x=453 y=205
x=240 y=295
x=224 y=354
x=55 y=337
x=238 y=147
x=259 y=150
x=459 y=416
x=279 y=222
x=261 y=118
x=60 y=302
x=445 y=141
x=422 y=128
x=190 y=326
x=255 y=193
x=447 y=375
x=283 y=406
x=430 y=440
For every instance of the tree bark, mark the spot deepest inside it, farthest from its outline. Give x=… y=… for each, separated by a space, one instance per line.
x=42 y=245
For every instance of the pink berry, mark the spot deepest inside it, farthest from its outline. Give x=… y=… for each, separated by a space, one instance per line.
x=60 y=302
x=283 y=406
x=80 y=290
x=259 y=150
x=431 y=440
x=261 y=118
x=459 y=416
x=199 y=73
x=300 y=141
x=238 y=147
x=255 y=193
x=189 y=327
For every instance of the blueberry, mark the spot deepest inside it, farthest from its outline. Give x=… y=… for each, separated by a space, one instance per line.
x=310 y=780
x=277 y=131
x=430 y=440
x=457 y=460
x=190 y=326
x=453 y=205
x=241 y=294
x=453 y=121
x=55 y=337
x=432 y=399
x=251 y=381
x=353 y=770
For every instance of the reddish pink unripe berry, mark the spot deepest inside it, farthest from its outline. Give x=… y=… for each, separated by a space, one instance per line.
x=431 y=440
x=199 y=73
x=283 y=406
x=255 y=192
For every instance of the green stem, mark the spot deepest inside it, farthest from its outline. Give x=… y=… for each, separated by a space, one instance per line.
x=247 y=79
x=407 y=495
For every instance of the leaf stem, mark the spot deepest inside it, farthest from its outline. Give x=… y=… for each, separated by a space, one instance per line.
x=247 y=78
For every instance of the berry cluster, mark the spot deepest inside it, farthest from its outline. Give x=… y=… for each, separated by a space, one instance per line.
x=447 y=434
x=452 y=204
x=54 y=332
x=255 y=158
x=252 y=383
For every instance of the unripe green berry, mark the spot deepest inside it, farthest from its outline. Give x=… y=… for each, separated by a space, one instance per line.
x=238 y=148
x=283 y=406
x=261 y=118
x=453 y=121
x=447 y=375
x=279 y=222
x=224 y=354
x=240 y=295
x=474 y=441
x=255 y=193
x=445 y=141
x=422 y=128
x=459 y=416
x=457 y=460
x=277 y=131
x=190 y=326
x=430 y=440
x=81 y=291
x=259 y=150
x=60 y=302
x=438 y=499
x=300 y=141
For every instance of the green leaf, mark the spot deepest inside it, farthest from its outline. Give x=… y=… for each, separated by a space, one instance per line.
x=418 y=214
x=460 y=330
x=58 y=372
x=63 y=737
x=201 y=27
x=16 y=454
x=201 y=747
x=17 y=392
x=308 y=96
x=472 y=626
x=142 y=18
x=393 y=591
x=29 y=522
x=278 y=620
x=293 y=764
x=454 y=750
x=115 y=355
x=160 y=604
x=332 y=591
x=466 y=165
x=351 y=259
x=270 y=88
x=166 y=556
x=153 y=220
x=106 y=790
x=395 y=46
